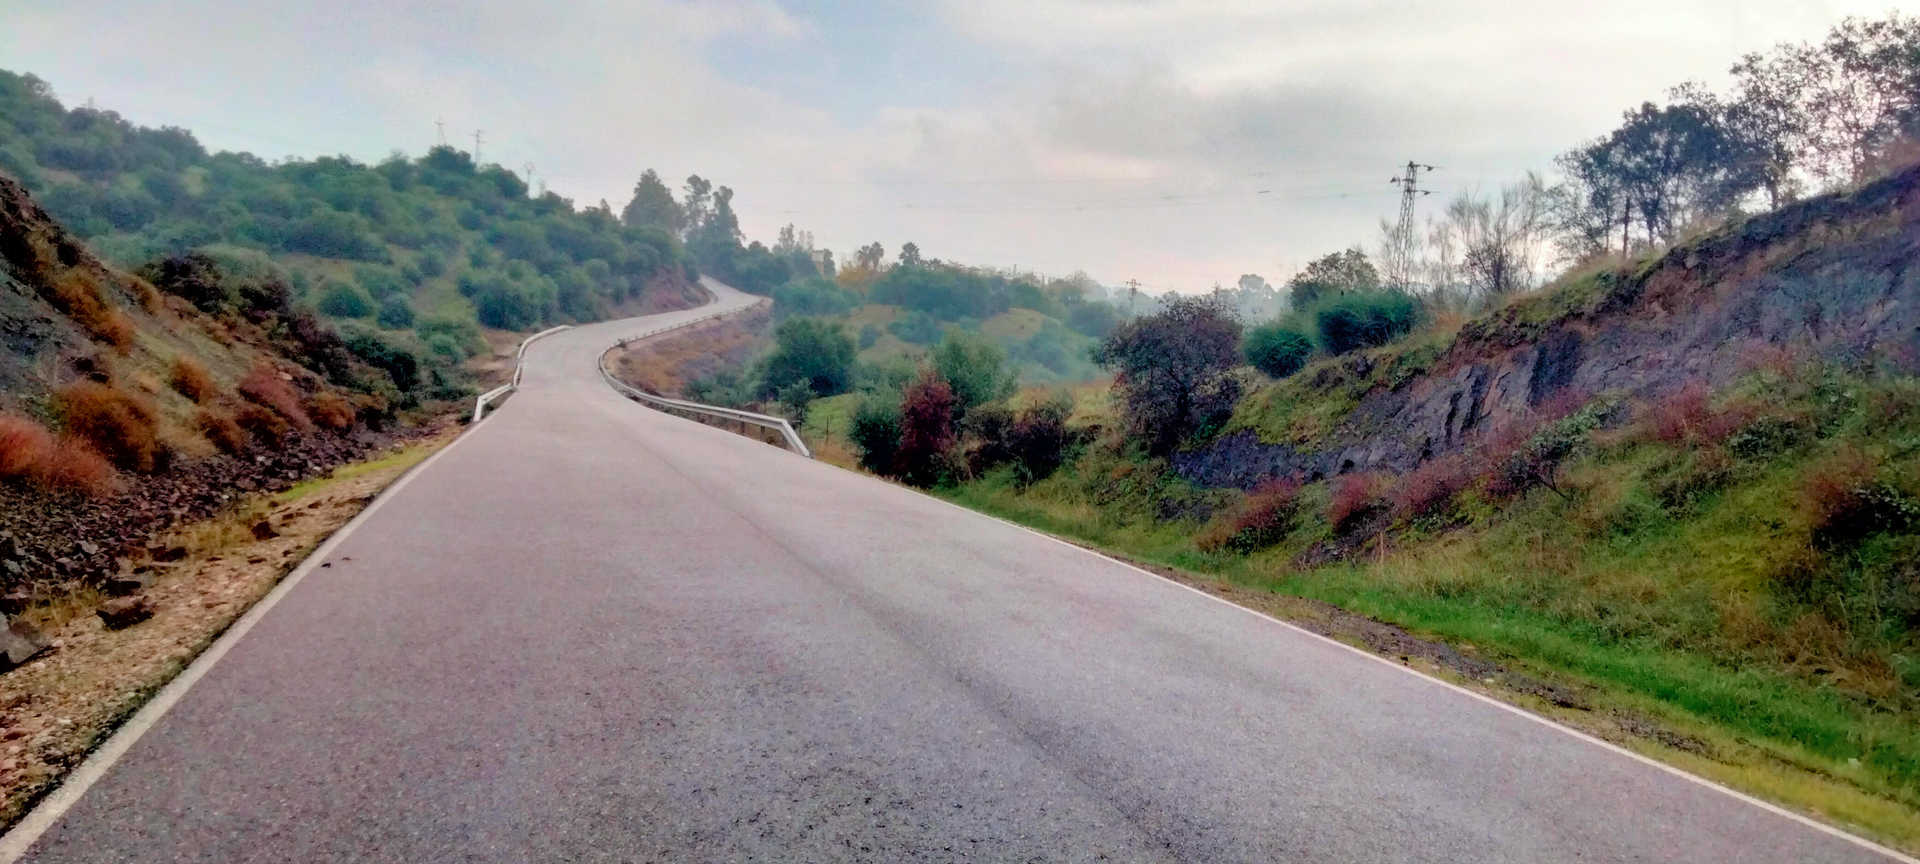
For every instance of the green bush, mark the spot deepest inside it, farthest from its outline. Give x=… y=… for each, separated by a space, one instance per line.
x=812 y=351
x=506 y=306
x=1277 y=349
x=876 y=433
x=1364 y=319
x=395 y=313
x=342 y=300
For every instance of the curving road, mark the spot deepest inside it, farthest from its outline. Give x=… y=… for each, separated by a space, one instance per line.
x=591 y=632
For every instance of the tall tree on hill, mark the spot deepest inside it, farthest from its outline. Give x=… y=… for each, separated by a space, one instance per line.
x=1342 y=272
x=653 y=206
x=696 y=202
x=868 y=257
x=910 y=255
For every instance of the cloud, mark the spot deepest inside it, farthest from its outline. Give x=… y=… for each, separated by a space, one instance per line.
x=1177 y=141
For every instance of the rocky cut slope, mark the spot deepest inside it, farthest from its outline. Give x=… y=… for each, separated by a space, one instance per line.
x=125 y=407
x=1828 y=277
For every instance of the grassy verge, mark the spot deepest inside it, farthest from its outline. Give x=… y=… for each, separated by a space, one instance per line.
x=1754 y=729
x=58 y=707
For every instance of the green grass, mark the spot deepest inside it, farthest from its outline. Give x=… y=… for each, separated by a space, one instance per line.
x=1713 y=615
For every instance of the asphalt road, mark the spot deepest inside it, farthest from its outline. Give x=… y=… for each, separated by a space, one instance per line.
x=592 y=632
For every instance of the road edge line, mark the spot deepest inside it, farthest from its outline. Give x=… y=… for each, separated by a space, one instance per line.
x=1803 y=819
x=19 y=839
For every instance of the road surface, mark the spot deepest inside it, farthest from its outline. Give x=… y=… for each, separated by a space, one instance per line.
x=592 y=632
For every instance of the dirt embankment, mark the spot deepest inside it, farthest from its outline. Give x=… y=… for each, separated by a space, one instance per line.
x=1829 y=276
x=664 y=364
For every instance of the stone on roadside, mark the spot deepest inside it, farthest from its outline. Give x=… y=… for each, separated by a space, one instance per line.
x=18 y=643
x=263 y=530
x=121 y=584
x=120 y=613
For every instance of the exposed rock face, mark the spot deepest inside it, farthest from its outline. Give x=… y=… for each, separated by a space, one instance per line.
x=1832 y=276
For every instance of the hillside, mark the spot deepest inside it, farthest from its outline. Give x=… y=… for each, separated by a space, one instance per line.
x=1674 y=502
x=127 y=406
x=421 y=248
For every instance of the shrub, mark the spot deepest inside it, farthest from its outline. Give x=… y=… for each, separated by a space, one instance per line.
x=1536 y=461
x=77 y=296
x=262 y=424
x=191 y=380
x=1679 y=416
x=342 y=300
x=809 y=350
x=1262 y=519
x=395 y=313
x=925 y=457
x=1038 y=439
x=1767 y=436
x=331 y=411
x=1364 y=319
x=121 y=426
x=505 y=306
x=1847 y=502
x=266 y=388
x=1690 y=476
x=974 y=368
x=73 y=464
x=24 y=446
x=225 y=435
x=869 y=335
x=876 y=433
x=1353 y=498
x=1429 y=489
x=1172 y=370
x=1277 y=349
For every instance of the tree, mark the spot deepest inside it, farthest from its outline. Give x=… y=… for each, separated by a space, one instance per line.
x=653 y=206
x=812 y=351
x=344 y=300
x=1498 y=238
x=868 y=257
x=974 y=368
x=696 y=202
x=1173 y=370
x=1336 y=273
x=395 y=313
x=910 y=255
x=1664 y=168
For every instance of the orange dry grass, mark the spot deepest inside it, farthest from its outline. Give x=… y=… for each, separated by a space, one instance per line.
x=191 y=379
x=265 y=387
x=76 y=294
x=331 y=410
x=28 y=452
x=221 y=430
x=123 y=427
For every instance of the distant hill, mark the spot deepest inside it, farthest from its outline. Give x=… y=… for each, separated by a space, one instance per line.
x=408 y=245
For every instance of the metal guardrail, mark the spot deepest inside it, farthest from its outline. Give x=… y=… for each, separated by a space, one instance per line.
x=767 y=421
x=484 y=400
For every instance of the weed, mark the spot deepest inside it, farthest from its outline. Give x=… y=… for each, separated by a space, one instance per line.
x=77 y=295
x=1429 y=489
x=262 y=423
x=1354 y=497
x=1265 y=516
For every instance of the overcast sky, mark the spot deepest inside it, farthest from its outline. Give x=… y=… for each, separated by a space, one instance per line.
x=1179 y=142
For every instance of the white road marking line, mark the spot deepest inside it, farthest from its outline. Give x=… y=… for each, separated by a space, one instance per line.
x=15 y=843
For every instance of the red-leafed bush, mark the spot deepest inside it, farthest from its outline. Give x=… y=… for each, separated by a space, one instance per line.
x=1262 y=519
x=265 y=387
x=1429 y=489
x=925 y=457
x=75 y=294
x=1846 y=500
x=121 y=426
x=1354 y=498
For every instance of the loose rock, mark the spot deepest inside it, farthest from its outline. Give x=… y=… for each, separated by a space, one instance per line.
x=120 y=613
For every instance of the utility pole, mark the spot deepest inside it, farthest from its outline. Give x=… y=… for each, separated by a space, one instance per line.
x=528 y=167
x=440 y=131
x=476 y=147
x=1133 y=291
x=1409 y=184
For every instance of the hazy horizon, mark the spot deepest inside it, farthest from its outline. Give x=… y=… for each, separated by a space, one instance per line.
x=1179 y=143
